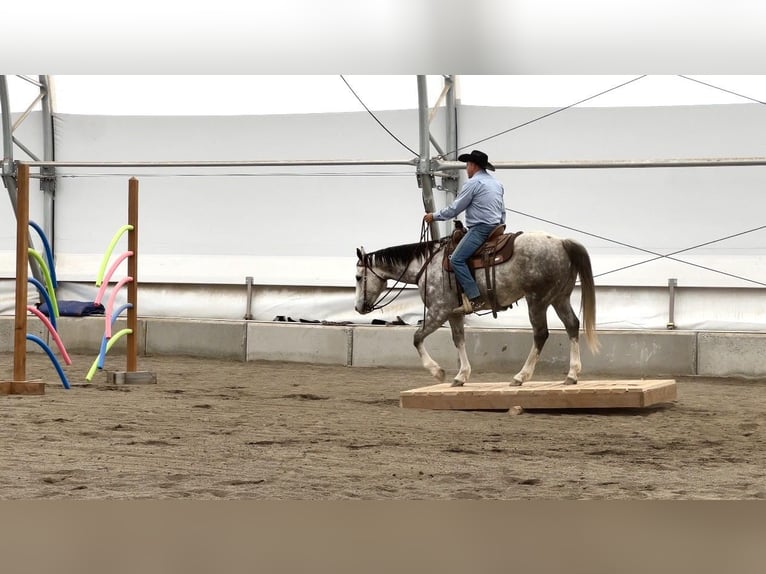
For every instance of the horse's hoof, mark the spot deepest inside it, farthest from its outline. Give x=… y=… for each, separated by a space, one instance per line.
x=457 y=383
x=440 y=375
x=516 y=383
x=570 y=381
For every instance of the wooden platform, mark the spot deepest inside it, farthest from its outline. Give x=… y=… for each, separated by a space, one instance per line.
x=33 y=387
x=607 y=394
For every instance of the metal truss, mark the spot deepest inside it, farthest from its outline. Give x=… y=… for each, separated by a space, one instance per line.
x=11 y=142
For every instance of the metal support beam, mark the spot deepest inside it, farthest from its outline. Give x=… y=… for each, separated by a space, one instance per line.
x=451 y=179
x=48 y=179
x=9 y=175
x=424 y=171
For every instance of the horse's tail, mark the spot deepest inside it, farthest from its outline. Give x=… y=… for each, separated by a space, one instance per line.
x=581 y=262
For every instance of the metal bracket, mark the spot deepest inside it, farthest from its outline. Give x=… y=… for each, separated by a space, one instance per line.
x=9 y=167
x=419 y=177
x=249 y=284
x=672 y=284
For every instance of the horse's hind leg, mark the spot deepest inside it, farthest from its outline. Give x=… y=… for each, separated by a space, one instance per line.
x=458 y=338
x=572 y=324
x=430 y=324
x=539 y=321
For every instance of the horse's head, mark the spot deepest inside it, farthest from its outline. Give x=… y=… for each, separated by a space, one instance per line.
x=369 y=284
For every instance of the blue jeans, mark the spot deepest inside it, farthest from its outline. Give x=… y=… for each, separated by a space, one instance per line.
x=476 y=235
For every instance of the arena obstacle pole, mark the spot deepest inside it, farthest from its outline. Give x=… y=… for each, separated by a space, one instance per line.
x=132 y=340
x=22 y=261
x=131 y=374
x=19 y=385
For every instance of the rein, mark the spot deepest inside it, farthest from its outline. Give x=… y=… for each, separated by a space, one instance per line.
x=379 y=304
x=425 y=234
x=424 y=238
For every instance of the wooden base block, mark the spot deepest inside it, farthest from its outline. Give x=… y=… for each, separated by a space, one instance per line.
x=608 y=394
x=131 y=378
x=34 y=387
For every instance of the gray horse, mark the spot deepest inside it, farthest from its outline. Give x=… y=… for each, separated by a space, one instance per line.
x=543 y=270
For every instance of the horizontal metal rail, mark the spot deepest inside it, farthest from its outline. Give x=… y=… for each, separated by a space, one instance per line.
x=435 y=164
x=204 y=164
x=616 y=163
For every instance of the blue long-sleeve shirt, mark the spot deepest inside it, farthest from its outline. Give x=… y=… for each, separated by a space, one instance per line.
x=481 y=197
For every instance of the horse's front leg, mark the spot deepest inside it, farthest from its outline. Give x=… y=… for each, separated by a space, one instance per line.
x=457 y=324
x=528 y=369
x=433 y=321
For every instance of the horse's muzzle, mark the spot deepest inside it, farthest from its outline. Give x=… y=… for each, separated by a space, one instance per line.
x=366 y=308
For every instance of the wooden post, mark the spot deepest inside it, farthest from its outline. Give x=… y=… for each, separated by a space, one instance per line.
x=132 y=338
x=22 y=263
x=131 y=375
x=19 y=385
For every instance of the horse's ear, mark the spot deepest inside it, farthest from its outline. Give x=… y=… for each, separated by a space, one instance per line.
x=360 y=254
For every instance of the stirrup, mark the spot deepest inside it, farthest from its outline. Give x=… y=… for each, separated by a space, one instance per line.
x=468 y=306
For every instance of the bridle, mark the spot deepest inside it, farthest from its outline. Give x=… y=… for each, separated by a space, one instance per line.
x=366 y=307
x=365 y=260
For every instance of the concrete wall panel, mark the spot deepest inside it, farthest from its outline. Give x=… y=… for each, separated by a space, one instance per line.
x=212 y=339
x=732 y=354
x=622 y=354
x=298 y=342
x=643 y=353
x=392 y=346
x=34 y=327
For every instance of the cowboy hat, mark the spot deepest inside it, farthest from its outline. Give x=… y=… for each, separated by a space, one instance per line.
x=477 y=157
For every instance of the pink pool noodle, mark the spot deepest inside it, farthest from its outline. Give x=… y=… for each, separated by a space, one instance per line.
x=109 y=274
x=110 y=306
x=53 y=333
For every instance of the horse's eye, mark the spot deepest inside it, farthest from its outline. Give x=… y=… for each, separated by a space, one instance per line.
x=358 y=277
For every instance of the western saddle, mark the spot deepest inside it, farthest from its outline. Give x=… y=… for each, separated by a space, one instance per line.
x=496 y=249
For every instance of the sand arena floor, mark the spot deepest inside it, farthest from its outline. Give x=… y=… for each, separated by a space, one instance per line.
x=226 y=430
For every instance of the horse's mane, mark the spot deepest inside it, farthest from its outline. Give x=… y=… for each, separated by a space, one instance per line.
x=404 y=254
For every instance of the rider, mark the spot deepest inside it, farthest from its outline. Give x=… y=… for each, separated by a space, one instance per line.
x=481 y=197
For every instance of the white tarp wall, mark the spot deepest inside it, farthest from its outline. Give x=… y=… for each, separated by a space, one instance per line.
x=295 y=229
